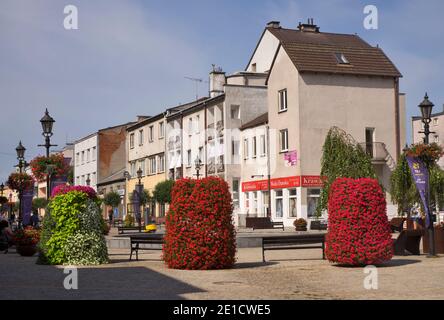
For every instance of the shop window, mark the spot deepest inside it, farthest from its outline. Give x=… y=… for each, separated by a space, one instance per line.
x=292 y=203
x=312 y=201
x=236 y=193
x=279 y=204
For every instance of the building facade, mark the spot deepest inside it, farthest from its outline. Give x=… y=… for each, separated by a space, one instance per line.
x=145 y=145
x=317 y=81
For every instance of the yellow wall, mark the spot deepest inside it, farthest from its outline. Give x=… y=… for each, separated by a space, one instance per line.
x=149 y=183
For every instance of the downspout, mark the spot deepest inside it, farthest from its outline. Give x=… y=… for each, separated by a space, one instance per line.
x=206 y=137
x=397 y=124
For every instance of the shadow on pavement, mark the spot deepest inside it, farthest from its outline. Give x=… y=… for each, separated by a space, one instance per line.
x=389 y=264
x=244 y=265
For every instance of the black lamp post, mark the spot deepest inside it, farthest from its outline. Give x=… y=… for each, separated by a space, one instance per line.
x=139 y=190
x=426 y=107
x=139 y=175
x=21 y=165
x=2 y=189
x=198 y=165
x=88 y=181
x=47 y=123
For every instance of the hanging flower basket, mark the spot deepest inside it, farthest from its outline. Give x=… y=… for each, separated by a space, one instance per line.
x=39 y=166
x=20 y=181
x=428 y=153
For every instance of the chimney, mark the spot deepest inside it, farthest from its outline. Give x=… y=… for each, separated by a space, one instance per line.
x=274 y=24
x=309 y=26
x=217 y=81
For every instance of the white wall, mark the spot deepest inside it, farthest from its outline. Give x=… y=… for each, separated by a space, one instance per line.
x=83 y=168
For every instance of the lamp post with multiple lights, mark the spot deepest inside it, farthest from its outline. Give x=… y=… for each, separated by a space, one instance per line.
x=22 y=164
x=198 y=165
x=426 y=107
x=47 y=123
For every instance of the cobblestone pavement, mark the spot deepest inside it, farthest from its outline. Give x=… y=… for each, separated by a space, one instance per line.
x=294 y=274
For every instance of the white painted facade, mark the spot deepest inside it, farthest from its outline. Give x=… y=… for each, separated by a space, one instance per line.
x=85 y=161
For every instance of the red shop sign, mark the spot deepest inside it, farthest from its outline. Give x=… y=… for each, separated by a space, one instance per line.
x=312 y=181
x=277 y=183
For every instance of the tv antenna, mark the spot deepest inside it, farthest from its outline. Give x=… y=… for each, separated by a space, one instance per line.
x=196 y=81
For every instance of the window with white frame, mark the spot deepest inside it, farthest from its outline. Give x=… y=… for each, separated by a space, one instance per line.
x=133 y=169
x=292 y=203
x=235 y=193
x=93 y=155
x=151 y=133
x=201 y=154
x=254 y=151
x=142 y=166
x=246 y=153
x=189 y=160
x=282 y=100
x=131 y=138
x=83 y=157
x=141 y=137
x=235 y=112
x=77 y=158
x=190 y=126
x=197 y=126
x=234 y=147
x=436 y=138
x=435 y=121
x=152 y=165
x=279 y=199
x=284 y=140
x=88 y=155
x=313 y=196
x=161 y=130
x=161 y=162
x=263 y=145
x=255 y=203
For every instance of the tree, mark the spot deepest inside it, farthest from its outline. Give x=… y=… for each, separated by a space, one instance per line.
x=342 y=157
x=39 y=203
x=112 y=199
x=162 y=191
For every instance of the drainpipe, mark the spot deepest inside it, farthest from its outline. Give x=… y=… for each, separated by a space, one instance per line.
x=206 y=137
x=268 y=171
x=397 y=125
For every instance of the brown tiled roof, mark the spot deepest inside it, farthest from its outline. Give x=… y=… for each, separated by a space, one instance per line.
x=262 y=119
x=315 y=52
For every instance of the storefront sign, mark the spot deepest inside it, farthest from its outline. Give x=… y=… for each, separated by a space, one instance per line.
x=277 y=183
x=312 y=181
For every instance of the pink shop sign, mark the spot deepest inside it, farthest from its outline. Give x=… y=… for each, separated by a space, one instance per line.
x=291 y=158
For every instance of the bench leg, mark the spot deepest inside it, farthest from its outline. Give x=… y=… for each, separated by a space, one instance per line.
x=131 y=254
x=263 y=251
x=137 y=252
x=323 y=250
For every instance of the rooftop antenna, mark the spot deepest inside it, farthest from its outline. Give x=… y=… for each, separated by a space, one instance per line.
x=196 y=81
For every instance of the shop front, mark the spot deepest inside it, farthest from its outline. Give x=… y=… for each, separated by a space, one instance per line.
x=291 y=198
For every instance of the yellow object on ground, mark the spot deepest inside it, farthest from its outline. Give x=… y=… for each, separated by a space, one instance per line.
x=151 y=228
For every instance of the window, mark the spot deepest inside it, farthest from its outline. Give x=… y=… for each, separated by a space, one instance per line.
x=234 y=147
x=161 y=130
x=151 y=134
x=279 y=203
x=369 y=140
x=235 y=112
x=162 y=210
x=254 y=209
x=435 y=121
x=197 y=124
x=265 y=204
x=284 y=140
x=141 y=137
x=201 y=154
x=254 y=148
x=132 y=140
x=340 y=58
x=189 y=161
x=161 y=163
x=436 y=138
x=263 y=145
x=94 y=179
x=312 y=201
x=152 y=164
x=253 y=67
x=133 y=169
x=245 y=149
x=190 y=126
x=142 y=166
x=83 y=157
x=82 y=182
x=93 y=155
x=236 y=192
x=283 y=100
x=77 y=158
x=88 y=155
x=292 y=203
x=77 y=180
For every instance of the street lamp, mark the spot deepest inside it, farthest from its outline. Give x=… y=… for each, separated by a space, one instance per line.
x=21 y=165
x=88 y=181
x=198 y=165
x=2 y=189
x=426 y=107
x=47 y=123
x=139 y=175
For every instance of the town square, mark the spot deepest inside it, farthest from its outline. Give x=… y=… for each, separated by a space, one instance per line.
x=280 y=151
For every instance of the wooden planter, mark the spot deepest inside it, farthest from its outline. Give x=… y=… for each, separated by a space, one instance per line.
x=301 y=228
x=439 y=240
x=26 y=251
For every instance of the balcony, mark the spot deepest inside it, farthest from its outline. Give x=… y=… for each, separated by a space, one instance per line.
x=220 y=128
x=377 y=151
x=211 y=166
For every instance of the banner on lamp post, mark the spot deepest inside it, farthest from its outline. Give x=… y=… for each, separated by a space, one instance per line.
x=420 y=175
x=27 y=196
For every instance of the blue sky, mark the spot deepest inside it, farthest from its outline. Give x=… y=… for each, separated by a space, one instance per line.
x=130 y=57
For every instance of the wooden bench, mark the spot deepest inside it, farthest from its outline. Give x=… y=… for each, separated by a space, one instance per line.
x=117 y=223
x=318 y=225
x=136 y=241
x=123 y=230
x=277 y=225
x=293 y=242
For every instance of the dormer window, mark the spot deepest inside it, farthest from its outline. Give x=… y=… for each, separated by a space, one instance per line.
x=341 y=58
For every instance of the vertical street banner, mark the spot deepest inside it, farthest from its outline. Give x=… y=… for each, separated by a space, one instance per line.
x=27 y=196
x=420 y=175
x=58 y=180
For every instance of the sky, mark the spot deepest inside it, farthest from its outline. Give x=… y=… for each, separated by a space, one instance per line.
x=131 y=57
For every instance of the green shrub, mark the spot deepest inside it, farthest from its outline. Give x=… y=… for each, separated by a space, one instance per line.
x=129 y=221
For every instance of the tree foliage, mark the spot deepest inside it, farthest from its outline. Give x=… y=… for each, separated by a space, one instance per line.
x=162 y=191
x=112 y=199
x=145 y=197
x=342 y=157
x=39 y=203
